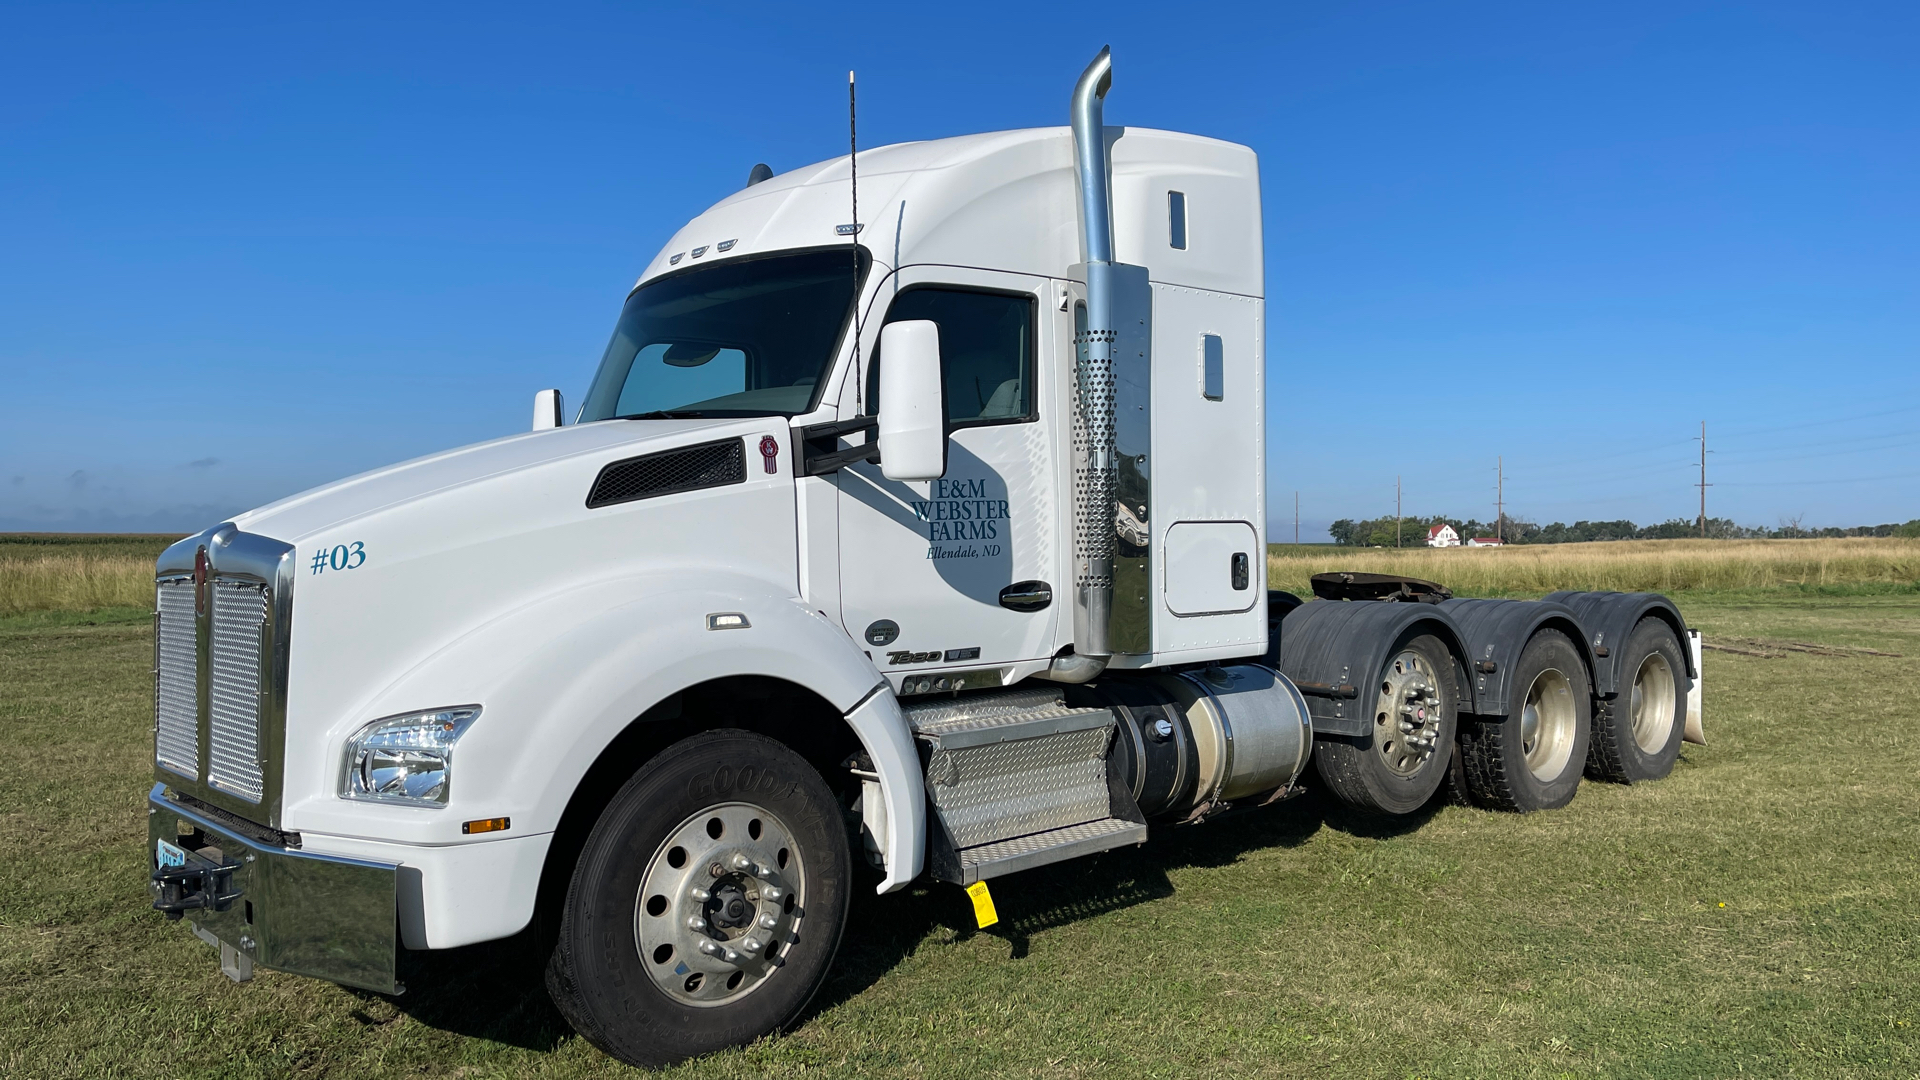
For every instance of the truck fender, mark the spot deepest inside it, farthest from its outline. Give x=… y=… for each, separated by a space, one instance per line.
x=1333 y=648
x=1496 y=631
x=561 y=678
x=882 y=729
x=1608 y=617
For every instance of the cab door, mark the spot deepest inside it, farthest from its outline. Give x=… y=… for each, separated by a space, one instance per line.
x=962 y=571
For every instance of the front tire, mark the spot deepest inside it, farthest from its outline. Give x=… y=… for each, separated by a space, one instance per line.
x=1398 y=766
x=1636 y=733
x=1532 y=758
x=707 y=904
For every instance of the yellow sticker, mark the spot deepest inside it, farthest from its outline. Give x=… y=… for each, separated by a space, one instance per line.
x=983 y=913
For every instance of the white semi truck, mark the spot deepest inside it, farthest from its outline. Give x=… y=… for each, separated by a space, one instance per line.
x=931 y=543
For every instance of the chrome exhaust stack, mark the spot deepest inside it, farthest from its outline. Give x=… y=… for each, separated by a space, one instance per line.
x=1094 y=385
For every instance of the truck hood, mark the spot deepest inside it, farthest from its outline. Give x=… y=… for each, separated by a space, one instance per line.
x=299 y=517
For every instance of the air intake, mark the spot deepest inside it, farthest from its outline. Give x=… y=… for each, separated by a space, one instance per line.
x=689 y=468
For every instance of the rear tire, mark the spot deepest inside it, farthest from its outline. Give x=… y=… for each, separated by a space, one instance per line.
x=660 y=957
x=1636 y=733
x=1532 y=758
x=1398 y=766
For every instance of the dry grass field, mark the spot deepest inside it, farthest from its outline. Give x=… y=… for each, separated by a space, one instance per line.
x=1668 y=566
x=76 y=574
x=58 y=573
x=1754 y=914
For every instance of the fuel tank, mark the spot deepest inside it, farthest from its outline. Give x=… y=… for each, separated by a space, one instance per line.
x=1195 y=739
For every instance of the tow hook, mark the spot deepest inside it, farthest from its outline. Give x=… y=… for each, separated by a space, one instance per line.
x=180 y=889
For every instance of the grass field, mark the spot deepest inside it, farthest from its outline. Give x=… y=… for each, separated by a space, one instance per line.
x=1626 y=565
x=1754 y=914
x=55 y=573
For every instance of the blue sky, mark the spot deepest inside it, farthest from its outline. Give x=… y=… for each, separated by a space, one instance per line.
x=243 y=252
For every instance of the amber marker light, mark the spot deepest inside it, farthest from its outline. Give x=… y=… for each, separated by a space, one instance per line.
x=492 y=824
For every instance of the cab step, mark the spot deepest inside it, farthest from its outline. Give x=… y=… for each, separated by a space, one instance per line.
x=1019 y=779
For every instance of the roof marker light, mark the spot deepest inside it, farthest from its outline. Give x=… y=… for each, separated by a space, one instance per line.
x=727 y=620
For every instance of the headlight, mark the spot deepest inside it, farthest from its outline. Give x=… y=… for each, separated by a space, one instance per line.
x=407 y=758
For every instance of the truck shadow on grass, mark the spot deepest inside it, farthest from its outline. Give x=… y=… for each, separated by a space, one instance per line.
x=496 y=990
x=890 y=928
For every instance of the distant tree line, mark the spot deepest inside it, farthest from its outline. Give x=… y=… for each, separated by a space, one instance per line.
x=1412 y=531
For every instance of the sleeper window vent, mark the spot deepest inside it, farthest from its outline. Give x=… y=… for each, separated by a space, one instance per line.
x=689 y=468
x=1177 y=220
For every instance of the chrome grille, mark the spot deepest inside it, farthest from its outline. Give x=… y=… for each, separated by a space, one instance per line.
x=176 y=694
x=239 y=614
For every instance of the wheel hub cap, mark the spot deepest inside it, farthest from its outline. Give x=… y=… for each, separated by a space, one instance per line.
x=1408 y=716
x=1547 y=725
x=721 y=902
x=1653 y=703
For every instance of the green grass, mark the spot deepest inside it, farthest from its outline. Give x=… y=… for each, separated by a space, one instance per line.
x=1300 y=940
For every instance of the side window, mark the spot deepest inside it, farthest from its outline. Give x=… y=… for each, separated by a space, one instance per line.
x=986 y=352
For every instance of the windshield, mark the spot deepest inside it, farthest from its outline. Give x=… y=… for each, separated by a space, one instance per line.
x=750 y=337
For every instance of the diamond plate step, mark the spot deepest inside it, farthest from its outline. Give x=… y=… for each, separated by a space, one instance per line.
x=1056 y=845
x=1018 y=778
x=1001 y=717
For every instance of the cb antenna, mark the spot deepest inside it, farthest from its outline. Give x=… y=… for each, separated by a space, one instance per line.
x=853 y=185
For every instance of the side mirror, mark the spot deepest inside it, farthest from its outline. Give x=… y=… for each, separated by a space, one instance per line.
x=546 y=410
x=913 y=407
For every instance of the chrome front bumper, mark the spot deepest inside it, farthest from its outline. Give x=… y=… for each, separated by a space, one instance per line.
x=264 y=903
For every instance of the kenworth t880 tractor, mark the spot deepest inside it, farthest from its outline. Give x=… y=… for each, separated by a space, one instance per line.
x=929 y=546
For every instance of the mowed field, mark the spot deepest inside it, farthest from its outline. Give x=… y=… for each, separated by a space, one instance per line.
x=1754 y=914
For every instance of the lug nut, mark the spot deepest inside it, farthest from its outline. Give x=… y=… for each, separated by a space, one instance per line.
x=752 y=945
x=769 y=921
x=741 y=862
x=696 y=923
x=772 y=892
x=709 y=948
x=732 y=957
x=699 y=894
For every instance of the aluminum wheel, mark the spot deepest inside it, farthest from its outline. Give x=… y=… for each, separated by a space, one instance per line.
x=1652 y=703
x=721 y=899
x=1407 y=720
x=1548 y=724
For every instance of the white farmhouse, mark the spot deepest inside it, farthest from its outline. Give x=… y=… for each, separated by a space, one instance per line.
x=1442 y=536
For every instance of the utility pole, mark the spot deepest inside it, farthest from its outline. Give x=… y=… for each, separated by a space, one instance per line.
x=1396 y=511
x=1500 y=497
x=1296 y=517
x=1702 y=485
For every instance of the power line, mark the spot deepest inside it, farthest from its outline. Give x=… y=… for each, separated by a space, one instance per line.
x=1907 y=440
x=1773 y=429
x=1841 y=442
x=1806 y=483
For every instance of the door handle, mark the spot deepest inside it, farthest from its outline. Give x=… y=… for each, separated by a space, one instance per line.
x=1026 y=596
